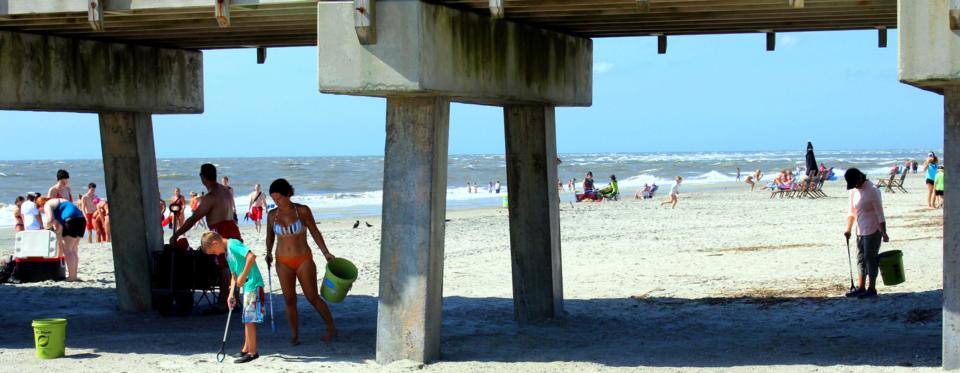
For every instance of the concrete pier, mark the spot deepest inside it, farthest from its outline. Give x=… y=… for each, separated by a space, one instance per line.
x=951 y=228
x=534 y=211
x=130 y=168
x=929 y=58
x=411 y=246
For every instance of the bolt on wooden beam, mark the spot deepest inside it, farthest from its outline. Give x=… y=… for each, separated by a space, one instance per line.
x=221 y=10
x=95 y=14
x=796 y=4
x=771 y=41
x=643 y=5
x=261 y=55
x=955 y=14
x=365 y=21
x=496 y=9
x=661 y=44
x=882 y=37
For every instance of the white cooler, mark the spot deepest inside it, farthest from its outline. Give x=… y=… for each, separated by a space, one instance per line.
x=35 y=244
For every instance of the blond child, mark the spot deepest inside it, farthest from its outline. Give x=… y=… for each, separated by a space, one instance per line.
x=244 y=273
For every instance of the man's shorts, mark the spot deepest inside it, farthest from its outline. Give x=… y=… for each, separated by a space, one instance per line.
x=938 y=192
x=89 y=218
x=253 y=309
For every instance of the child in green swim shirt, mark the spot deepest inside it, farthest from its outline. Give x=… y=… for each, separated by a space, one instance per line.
x=243 y=268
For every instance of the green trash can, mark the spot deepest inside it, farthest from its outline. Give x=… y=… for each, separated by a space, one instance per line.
x=49 y=336
x=891 y=267
x=338 y=280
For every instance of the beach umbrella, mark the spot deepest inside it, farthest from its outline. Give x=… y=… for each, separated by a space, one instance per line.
x=811 y=160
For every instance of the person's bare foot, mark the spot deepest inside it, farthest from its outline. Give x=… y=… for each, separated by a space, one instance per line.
x=331 y=334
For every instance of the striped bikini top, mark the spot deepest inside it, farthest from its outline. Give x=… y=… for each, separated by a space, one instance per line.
x=290 y=230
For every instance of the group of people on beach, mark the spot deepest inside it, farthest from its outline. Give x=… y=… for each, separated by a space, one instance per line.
x=288 y=225
x=492 y=187
x=69 y=218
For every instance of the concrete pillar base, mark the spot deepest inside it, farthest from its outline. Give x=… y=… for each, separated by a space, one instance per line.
x=130 y=167
x=534 y=212
x=414 y=210
x=951 y=228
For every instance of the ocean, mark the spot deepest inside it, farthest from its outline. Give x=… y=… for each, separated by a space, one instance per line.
x=352 y=186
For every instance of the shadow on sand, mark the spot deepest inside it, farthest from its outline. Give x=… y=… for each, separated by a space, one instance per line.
x=897 y=329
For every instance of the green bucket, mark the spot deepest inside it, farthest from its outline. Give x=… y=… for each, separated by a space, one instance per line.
x=338 y=280
x=49 y=336
x=506 y=201
x=891 y=267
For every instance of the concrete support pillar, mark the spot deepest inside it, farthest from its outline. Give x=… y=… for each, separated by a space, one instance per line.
x=951 y=228
x=534 y=211
x=411 y=246
x=130 y=165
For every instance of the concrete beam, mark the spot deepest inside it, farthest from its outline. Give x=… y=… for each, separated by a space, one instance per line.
x=130 y=167
x=929 y=49
x=534 y=212
x=427 y=49
x=50 y=73
x=411 y=245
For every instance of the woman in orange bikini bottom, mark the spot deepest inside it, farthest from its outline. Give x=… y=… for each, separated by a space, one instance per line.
x=288 y=225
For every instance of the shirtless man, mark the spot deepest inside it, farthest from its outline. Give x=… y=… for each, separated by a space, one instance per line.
x=258 y=203
x=233 y=203
x=88 y=204
x=62 y=188
x=217 y=208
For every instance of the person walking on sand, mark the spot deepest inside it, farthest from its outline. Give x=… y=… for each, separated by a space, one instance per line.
x=62 y=188
x=674 y=194
x=288 y=225
x=258 y=202
x=866 y=209
x=738 y=174
x=930 y=167
x=216 y=207
x=64 y=218
x=102 y=218
x=244 y=274
x=89 y=207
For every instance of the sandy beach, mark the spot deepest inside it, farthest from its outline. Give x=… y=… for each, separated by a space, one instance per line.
x=729 y=280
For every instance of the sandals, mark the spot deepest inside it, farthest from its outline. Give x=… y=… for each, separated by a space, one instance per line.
x=246 y=358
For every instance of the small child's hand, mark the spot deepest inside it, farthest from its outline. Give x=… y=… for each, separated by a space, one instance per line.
x=231 y=301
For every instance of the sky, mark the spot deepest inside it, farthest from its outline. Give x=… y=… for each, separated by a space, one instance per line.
x=708 y=93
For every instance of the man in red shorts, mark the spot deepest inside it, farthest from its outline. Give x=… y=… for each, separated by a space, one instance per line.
x=88 y=204
x=258 y=202
x=217 y=208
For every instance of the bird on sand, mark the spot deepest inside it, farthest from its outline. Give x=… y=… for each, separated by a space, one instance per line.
x=357 y=224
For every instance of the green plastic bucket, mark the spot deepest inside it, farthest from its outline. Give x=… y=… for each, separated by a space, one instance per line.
x=891 y=267
x=506 y=201
x=338 y=280
x=49 y=336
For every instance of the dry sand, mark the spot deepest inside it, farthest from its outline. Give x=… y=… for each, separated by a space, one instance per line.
x=729 y=280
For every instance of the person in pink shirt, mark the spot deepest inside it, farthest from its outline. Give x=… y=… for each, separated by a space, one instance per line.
x=866 y=209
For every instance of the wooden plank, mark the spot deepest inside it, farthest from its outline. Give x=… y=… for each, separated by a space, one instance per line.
x=365 y=20
x=771 y=41
x=661 y=44
x=261 y=55
x=221 y=11
x=882 y=37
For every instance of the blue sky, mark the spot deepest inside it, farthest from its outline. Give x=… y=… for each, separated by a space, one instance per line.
x=708 y=93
